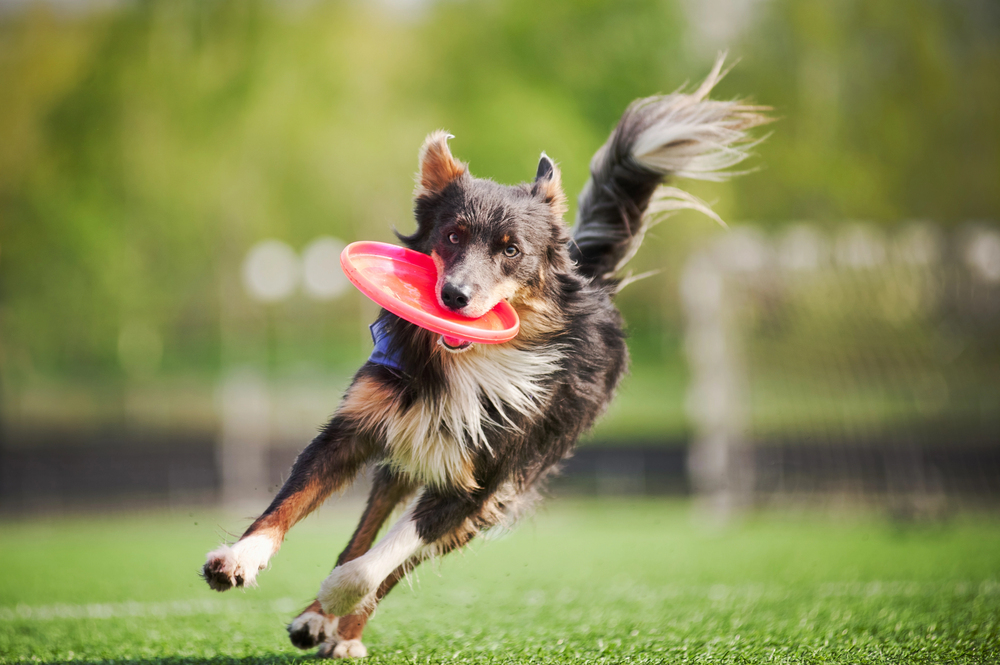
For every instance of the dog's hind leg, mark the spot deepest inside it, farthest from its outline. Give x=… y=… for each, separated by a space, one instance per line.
x=331 y=460
x=348 y=643
x=314 y=626
x=427 y=528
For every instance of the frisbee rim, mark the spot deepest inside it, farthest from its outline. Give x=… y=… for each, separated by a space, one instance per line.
x=414 y=315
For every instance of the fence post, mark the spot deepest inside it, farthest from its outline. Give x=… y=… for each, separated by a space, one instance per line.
x=244 y=404
x=720 y=461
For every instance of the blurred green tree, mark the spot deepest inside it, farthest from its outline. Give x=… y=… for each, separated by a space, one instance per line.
x=145 y=147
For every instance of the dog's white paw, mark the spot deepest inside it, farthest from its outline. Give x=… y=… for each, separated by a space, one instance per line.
x=312 y=628
x=226 y=567
x=343 y=649
x=346 y=588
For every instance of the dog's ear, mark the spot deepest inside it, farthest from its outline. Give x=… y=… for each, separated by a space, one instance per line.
x=437 y=167
x=548 y=185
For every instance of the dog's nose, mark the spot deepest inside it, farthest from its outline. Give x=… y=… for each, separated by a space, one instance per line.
x=455 y=296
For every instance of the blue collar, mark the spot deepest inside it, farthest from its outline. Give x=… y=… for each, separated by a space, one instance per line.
x=386 y=351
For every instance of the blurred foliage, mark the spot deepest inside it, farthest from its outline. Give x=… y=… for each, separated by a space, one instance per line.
x=889 y=110
x=145 y=146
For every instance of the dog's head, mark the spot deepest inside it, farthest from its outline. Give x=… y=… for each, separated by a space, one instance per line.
x=490 y=242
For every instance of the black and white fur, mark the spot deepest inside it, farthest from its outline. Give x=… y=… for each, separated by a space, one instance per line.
x=464 y=436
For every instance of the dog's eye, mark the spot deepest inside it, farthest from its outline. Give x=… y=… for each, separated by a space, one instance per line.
x=453 y=238
x=511 y=251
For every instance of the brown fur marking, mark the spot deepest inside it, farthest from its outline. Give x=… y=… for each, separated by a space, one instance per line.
x=437 y=166
x=313 y=607
x=387 y=491
x=293 y=508
x=369 y=403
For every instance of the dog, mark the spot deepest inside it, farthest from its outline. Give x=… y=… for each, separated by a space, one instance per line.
x=465 y=436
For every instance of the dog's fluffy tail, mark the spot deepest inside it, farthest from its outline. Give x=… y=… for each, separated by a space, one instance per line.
x=678 y=135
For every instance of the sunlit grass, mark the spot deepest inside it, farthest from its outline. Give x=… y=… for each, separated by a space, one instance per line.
x=584 y=581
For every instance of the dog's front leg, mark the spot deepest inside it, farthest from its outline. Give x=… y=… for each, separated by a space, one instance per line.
x=421 y=532
x=333 y=458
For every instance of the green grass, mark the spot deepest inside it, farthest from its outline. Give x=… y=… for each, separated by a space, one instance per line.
x=583 y=581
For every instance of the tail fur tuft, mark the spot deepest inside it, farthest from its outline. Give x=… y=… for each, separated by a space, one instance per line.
x=683 y=135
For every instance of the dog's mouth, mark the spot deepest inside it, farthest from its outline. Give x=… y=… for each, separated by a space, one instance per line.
x=453 y=345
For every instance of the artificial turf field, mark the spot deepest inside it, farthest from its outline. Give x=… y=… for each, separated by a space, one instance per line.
x=602 y=581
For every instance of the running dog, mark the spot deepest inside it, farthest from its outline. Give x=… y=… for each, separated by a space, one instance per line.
x=465 y=436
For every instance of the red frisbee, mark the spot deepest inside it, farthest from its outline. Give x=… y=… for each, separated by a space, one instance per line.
x=404 y=282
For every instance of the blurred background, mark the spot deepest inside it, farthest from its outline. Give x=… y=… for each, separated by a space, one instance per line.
x=177 y=179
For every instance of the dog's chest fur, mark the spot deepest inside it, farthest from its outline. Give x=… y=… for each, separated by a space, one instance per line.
x=434 y=440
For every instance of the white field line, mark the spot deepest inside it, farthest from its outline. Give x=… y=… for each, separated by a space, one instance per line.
x=635 y=592
x=133 y=608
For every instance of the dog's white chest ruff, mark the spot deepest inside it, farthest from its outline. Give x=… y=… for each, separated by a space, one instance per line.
x=432 y=439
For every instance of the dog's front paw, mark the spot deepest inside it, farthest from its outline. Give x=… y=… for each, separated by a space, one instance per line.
x=221 y=571
x=311 y=628
x=343 y=649
x=226 y=567
x=346 y=590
